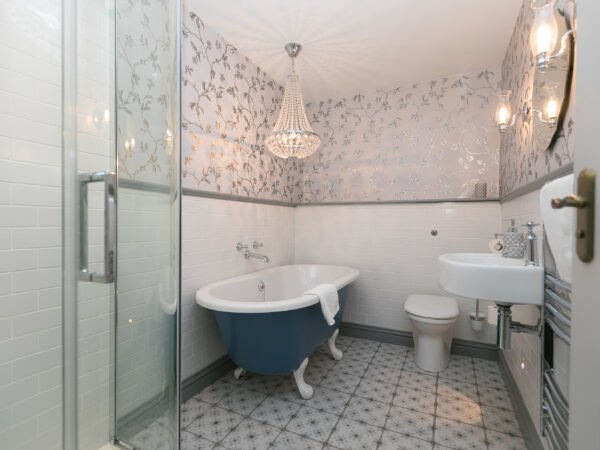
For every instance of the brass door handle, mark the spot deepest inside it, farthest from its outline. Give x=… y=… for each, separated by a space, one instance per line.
x=571 y=201
x=584 y=201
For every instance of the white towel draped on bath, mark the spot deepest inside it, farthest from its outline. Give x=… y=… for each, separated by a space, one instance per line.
x=328 y=297
x=559 y=224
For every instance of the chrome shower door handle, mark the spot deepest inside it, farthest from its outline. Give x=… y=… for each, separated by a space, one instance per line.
x=110 y=226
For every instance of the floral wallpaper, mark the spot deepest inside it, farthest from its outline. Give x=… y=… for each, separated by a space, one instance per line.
x=427 y=140
x=228 y=106
x=147 y=94
x=520 y=162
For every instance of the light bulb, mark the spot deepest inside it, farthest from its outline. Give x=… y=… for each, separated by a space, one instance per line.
x=129 y=147
x=168 y=142
x=552 y=105
x=544 y=32
x=543 y=39
x=101 y=118
x=503 y=115
x=503 y=111
x=552 y=109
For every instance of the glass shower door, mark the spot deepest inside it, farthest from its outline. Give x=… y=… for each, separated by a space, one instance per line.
x=121 y=211
x=146 y=378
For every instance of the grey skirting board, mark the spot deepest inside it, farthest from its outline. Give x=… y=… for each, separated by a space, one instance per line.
x=205 y=377
x=459 y=346
x=215 y=370
x=528 y=429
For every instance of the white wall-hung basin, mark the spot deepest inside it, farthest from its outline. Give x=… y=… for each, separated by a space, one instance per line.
x=487 y=276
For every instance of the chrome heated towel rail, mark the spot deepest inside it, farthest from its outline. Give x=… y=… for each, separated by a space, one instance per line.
x=557 y=327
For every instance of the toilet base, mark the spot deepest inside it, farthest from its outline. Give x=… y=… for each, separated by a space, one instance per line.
x=432 y=353
x=433 y=339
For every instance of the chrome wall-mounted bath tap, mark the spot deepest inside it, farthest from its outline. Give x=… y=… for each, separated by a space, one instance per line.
x=248 y=254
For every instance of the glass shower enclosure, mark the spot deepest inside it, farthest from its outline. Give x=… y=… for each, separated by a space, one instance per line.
x=120 y=223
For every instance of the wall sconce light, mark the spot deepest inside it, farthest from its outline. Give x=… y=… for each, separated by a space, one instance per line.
x=504 y=116
x=101 y=118
x=168 y=142
x=129 y=147
x=551 y=107
x=544 y=34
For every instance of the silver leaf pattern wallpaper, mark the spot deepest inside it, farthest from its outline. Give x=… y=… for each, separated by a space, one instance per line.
x=520 y=163
x=228 y=107
x=428 y=140
x=144 y=69
x=424 y=141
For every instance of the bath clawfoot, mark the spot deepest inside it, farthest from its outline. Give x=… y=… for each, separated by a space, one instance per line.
x=238 y=373
x=306 y=390
x=335 y=352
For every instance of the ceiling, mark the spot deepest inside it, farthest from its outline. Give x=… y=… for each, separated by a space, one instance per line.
x=353 y=46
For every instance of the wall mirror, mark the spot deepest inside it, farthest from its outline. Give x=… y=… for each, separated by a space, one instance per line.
x=550 y=94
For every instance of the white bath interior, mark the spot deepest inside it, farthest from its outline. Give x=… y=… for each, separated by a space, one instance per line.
x=284 y=288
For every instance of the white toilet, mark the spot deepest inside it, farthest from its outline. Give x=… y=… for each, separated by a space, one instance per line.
x=432 y=317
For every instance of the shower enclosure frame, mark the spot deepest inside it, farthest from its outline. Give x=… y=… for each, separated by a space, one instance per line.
x=72 y=230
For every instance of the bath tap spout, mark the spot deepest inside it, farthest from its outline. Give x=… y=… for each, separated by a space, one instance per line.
x=248 y=254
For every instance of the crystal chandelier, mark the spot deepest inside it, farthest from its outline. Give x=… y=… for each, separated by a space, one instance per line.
x=292 y=135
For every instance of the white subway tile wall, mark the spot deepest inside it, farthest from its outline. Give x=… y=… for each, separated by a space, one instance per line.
x=30 y=233
x=146 y=299
x=31 y=219
x=392 y=246
x=210 y=230
x=524 y=356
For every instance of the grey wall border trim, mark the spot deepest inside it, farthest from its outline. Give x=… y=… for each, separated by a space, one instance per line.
x=235 y=198
x=402 y=202
x=538 y=183
x=519 y=192
x=525 y=421
x=459 y=346
x=205 y=377
x=144 y=186
x=262 y=201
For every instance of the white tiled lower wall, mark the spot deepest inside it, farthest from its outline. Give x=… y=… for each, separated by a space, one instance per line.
x=392 y=246
x=525 y=349
x=210 y=230
x=30 y=225
x=524 y=356
x=145 y=298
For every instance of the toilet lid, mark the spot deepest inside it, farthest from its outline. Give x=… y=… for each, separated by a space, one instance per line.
x=431 y=306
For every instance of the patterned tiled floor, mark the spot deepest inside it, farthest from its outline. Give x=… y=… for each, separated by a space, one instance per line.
x=374 y=398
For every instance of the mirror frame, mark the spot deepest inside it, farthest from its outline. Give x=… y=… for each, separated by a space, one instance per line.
x=564 y=106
